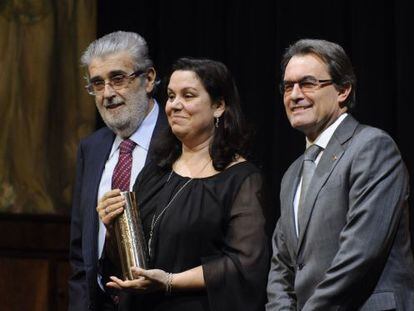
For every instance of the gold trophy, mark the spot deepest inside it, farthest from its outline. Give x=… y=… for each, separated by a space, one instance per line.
x=130 y=239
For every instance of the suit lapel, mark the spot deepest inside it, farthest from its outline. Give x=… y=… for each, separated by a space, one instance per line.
x=330 y=157
x=99 y=159
x=288 y=195
x=96 y=163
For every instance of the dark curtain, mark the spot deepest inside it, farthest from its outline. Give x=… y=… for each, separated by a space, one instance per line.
x=250 y=37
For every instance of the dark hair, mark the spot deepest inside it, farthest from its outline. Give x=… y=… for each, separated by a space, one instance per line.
x=334 y=56
x=230 y=137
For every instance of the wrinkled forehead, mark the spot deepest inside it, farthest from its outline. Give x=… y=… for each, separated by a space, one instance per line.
x=300 y=66
x=105 y=66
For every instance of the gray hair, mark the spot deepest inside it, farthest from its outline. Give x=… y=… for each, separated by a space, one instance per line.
x=116 y=42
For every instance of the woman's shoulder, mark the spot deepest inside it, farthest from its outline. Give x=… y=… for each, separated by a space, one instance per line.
x=239 y=169
x=240 y=177
x=242 y=164
x=151 y=175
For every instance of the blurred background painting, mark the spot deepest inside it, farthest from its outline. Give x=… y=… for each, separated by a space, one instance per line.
x=42 y=111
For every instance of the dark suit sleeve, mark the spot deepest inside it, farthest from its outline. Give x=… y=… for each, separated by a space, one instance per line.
x=77 y=281
x=378 y=188
x=280 y=286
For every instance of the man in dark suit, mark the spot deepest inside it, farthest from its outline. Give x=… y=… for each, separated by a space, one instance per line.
x=342 y=241
x=121 y=77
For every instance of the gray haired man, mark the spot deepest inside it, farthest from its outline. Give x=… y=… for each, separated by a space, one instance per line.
x=121 y=77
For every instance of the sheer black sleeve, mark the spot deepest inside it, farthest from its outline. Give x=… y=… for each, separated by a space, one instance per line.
x=236 y=280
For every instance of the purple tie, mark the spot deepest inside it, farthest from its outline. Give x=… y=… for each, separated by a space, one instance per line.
x=122 y=171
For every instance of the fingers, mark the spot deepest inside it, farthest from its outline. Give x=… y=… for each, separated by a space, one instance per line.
x=136 y=285
x=139 y=272
x=119 y=284
x=156 y=277
x=110 y=206
x=145 y=281
x=111 y=193
x=153 y=274
x=113 y=285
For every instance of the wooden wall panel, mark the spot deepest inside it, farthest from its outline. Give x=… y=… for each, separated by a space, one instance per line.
x=34 y=267
x=62 y=276
x=24 y=284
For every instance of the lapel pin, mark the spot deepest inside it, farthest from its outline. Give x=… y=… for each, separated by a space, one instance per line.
x=334 y=157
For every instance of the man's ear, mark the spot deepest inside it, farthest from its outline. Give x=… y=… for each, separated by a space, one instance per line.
x=150 y=80
x=344 y=93
x=220 y=107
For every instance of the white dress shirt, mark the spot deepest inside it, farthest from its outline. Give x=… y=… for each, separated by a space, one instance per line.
x=142 y=137
x=322 y=141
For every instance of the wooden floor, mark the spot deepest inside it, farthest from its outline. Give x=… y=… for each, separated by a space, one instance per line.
x=34 y=266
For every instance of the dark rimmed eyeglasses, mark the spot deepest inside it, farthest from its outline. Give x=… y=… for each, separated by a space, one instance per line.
x=306 y=85
x=117 y=82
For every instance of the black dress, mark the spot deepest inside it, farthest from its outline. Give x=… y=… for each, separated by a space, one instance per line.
x=217 y=222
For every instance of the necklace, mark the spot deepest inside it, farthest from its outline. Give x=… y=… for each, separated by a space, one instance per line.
x=155 y=219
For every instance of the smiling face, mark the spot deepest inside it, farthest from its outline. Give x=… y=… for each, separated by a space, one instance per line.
x=122 y=110
x=189 y=108
x=312 y=112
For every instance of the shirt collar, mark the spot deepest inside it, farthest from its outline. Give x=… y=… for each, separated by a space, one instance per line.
x=323 y=139
x=142 y=135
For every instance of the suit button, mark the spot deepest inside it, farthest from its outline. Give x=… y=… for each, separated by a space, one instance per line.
x=300 y=266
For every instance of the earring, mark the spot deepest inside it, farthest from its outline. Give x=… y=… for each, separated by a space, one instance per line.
x=216 y=124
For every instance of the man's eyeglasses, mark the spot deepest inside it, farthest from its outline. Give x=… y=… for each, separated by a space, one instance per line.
x=307 y=85
x=117 y=82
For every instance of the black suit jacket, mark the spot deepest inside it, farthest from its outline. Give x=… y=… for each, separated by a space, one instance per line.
x=92 y=155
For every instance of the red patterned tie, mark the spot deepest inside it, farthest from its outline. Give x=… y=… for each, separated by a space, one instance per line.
x=122 y=171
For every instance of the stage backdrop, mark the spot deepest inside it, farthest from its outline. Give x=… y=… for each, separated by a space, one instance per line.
x=251 y=36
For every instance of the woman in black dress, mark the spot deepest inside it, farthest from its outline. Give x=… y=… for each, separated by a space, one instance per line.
x=200 y=203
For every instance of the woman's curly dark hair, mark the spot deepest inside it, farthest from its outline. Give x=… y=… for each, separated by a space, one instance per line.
x=230 y=138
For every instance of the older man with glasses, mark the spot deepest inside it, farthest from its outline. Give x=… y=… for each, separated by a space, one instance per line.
x=342 y=241
x=121 y=77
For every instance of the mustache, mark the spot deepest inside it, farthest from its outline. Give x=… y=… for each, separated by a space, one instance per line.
x=112 y=102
